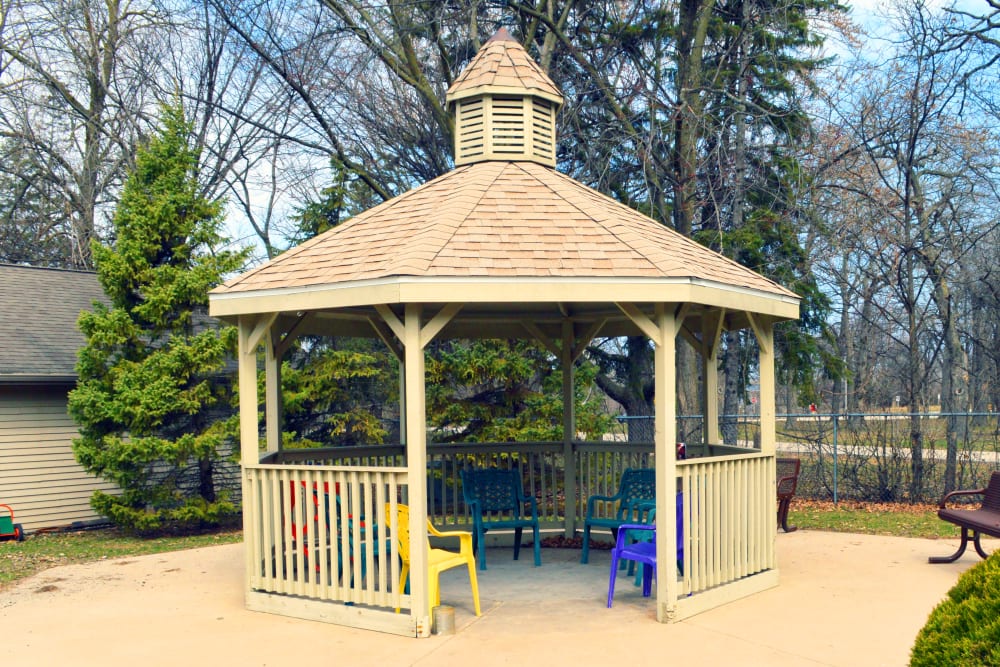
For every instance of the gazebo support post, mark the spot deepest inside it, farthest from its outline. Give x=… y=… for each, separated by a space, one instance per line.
x=711 y=335
x=665 y=436
x=249 y=428
x=569 y=428
x=763 y=329
x=272 y=392
x=662 y=331
x=416 y=464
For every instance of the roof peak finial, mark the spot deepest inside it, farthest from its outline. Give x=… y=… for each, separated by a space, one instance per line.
x=501 y=35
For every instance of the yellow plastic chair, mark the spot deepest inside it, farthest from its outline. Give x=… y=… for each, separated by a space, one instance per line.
x=438 y=560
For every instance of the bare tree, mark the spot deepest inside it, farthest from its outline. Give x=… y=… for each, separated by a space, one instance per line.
x=75 y=79
x=927 y=171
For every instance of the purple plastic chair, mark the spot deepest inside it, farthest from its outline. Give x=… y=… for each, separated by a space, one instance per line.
x=644 y=550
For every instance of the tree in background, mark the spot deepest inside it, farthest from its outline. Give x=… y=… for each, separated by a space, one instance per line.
x=506 y=391
x=75 y=81
x=338 y=391
x=154 y=391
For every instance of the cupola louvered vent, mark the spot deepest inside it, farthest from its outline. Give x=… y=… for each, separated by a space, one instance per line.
x=505 y=107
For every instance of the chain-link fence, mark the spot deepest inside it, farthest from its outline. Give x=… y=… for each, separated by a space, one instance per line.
x=885 y=457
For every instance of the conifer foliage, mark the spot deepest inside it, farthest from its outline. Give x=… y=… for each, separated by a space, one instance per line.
x=154 y=394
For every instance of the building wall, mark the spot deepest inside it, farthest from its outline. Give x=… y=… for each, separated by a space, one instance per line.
x=39 y=478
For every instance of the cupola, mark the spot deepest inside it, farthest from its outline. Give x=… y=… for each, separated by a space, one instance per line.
x=505 y=106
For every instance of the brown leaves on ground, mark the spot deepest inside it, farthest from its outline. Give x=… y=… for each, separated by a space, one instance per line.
x=862 y=506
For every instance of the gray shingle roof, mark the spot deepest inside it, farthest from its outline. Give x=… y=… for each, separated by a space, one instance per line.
x=38 y=313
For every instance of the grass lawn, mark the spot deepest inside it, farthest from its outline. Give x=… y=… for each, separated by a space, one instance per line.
x=870 y=518
x=44 y=550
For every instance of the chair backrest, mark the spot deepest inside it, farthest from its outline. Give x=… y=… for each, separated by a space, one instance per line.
x=496 y=490
x=991 y=499
x=402 y=531
x=637 y=485
x=787 y=476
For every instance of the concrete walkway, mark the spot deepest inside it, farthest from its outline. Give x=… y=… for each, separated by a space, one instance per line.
x=850 y=600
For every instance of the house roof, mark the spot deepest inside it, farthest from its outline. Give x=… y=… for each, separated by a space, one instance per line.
x=498 y=219
x=502 y=65
x=40 y=309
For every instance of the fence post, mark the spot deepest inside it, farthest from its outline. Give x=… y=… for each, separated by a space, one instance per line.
x=836 y=421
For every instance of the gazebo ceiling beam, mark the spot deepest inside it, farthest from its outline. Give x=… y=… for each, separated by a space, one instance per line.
x=388 y=337
x=260 y=329
x=763 y=339
x=713 y=322
x=541 y=337
x=438 y=322
x=583 y=340
x=641 y=320
x=475 y=321
x=286 y=335
x=390 y=319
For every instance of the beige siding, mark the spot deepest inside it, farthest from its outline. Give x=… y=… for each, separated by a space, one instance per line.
x=39 y=478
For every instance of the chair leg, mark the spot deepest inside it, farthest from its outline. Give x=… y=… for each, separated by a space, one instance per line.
x=434 y=592
x=517 y=542
x=538 y=546
x=961 y=549
x=585 y=554
x=480 y=548
x=611 y=581
x=474 y=582
x=403 y=574
x=647 y=580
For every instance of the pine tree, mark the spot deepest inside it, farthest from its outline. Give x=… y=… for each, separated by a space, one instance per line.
x=154 y=394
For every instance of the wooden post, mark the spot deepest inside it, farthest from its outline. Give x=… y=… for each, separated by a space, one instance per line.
x=272 y=393
x=416 y=463
x=247 y=365
x=711 y=335
x=249 y=436
x=763 y=329
x=569 y=427
x=665 y=436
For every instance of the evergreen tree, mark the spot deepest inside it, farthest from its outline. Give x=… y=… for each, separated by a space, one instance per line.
x=154 y=392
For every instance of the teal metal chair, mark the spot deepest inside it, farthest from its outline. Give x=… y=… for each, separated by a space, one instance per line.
x=637 y=486
x=495 y=499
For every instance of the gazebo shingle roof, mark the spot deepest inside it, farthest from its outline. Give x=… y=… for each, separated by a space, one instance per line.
x=503 y=64
x=498 y=219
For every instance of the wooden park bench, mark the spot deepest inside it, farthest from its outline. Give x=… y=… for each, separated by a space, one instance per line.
x=984 y=520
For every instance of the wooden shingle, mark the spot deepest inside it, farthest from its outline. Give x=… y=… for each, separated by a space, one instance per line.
x=498 y=218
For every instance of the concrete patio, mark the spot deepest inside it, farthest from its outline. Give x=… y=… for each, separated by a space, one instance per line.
x=844 y=599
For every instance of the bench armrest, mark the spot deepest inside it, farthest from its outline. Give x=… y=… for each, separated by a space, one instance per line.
x=964 y=492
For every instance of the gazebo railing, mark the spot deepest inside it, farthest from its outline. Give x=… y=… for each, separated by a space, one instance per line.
x=729 y=524
x=598 y=466
x=320 y=530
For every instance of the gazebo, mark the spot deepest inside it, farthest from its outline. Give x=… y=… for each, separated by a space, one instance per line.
x=502 y=246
